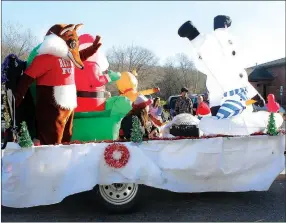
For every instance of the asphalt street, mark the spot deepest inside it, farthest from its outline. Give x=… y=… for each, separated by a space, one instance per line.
x=160 y=205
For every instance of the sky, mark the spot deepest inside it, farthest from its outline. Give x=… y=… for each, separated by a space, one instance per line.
x=259 y=26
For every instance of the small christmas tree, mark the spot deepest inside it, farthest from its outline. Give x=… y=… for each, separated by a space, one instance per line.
x=25 y=139
x=271 y=128
x=136 y=134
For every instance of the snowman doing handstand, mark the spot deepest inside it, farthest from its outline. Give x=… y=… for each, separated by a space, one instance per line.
x=231 y=95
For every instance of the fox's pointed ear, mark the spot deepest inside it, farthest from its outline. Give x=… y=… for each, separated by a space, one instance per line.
x=78 y=26
x=69 y=27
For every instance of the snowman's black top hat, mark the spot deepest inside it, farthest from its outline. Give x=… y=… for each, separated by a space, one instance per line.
x=221 y=21
x=188 y=30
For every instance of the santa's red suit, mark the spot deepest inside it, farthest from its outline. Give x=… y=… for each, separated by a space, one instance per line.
x=91 y=81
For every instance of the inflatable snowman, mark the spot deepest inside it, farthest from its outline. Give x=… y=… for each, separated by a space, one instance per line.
x=230 y=94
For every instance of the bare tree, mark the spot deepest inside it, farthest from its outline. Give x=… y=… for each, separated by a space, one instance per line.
x=131 y=57
x=143 y=60
x=178 y=71
x=190 y=76
x=17 y=40
x=186 y=67
x=170 y=83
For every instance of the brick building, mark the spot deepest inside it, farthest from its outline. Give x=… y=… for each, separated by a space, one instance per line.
x=270 y=78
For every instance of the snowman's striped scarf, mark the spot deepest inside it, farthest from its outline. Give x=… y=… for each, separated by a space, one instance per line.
x=235 y=91
x=231 y=107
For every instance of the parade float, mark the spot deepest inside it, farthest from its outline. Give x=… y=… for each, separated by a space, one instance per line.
x=34 y=175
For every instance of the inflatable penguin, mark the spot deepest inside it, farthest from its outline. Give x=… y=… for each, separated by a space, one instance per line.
x=231 y=95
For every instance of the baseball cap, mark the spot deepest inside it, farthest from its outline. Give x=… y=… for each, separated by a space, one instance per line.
x=184 y=90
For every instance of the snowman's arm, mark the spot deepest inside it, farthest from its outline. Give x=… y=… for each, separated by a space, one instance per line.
x=198 y=42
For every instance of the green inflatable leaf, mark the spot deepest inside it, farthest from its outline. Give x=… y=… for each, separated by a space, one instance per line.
x=31 y=57
x=33 y=54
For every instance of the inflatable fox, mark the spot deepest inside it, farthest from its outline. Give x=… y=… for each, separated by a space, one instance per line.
x=53 y=66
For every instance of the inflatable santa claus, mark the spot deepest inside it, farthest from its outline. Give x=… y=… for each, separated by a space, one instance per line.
x=91 y=81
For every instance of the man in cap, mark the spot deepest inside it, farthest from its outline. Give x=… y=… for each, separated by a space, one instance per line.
x=184 y=104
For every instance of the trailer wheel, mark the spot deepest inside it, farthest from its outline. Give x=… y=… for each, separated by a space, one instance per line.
x=118 y=197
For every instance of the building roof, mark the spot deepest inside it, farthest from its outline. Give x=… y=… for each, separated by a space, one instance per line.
x=260 y=74
x=273 y=63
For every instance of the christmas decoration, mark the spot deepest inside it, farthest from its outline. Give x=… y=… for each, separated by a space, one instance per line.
x=282 y=132
x=54 y=52
x=272 y=105
x=230 y=93
x=258 y=134
x=136 y=133
x=116 y=155
x=271 y=128
x=6 y=114
x=166 y=139
x=25 y=139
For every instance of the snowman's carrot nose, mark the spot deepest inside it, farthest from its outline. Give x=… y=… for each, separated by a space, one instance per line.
x=250 y=102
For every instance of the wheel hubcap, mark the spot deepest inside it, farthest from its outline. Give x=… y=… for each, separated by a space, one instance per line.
x=118 y=194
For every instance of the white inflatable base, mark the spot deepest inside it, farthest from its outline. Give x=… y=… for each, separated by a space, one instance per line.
x=47 y=174
x=245 y=124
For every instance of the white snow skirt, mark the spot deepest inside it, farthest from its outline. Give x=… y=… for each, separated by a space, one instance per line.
x=45 y=175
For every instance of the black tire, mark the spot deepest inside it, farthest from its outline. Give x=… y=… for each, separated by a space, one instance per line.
x=128 y=204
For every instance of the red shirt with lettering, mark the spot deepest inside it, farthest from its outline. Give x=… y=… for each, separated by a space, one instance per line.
x=50 y=70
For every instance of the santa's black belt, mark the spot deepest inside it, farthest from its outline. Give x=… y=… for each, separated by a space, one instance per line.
x=87 y=94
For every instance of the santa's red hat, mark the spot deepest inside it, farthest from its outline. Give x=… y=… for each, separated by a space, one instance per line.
x=141 y=102
x=86 y=38
x=85 y=41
